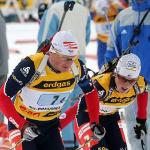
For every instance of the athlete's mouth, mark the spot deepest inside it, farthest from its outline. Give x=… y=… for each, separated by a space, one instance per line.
x=124 y=89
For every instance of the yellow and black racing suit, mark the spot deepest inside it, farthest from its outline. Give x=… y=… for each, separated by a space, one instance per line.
x=110 y=101
x=41 y=101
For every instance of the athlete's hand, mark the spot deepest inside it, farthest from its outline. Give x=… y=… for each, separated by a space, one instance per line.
x=140 y=129
x=98 y=131
x=30 y=132
x=68 y=5
x=41 y=9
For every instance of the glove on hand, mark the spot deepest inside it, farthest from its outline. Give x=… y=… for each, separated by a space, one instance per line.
x=98 y=131
x=68 y=5
x=140 y=129
x=41 y=9
x=30 y=132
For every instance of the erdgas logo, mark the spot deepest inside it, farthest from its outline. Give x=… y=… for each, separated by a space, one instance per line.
x=55 y=84
x=25 y=71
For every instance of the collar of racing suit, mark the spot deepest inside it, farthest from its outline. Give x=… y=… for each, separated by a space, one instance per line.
x=52 y=68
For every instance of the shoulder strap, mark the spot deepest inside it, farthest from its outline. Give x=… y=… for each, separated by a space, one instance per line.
x=136 y=88
x=39 y=70
x=42 y=65
x=75 y=72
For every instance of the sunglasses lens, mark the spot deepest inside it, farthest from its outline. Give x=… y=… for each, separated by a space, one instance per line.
x=123 y=79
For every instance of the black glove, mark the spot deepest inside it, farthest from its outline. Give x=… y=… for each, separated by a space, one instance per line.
x=86 y=85
x=98 y=131
x=140 y=128
x=68 y=5
x=41 y=9
x=30 y=132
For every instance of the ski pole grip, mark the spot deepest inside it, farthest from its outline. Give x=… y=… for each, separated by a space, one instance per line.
x=68 y=5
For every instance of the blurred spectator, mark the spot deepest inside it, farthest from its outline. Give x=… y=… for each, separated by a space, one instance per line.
x=100 y=10
x=77 y=21
x=3 y=54
x=3 y=69
x=41 y=9
x=125 y=3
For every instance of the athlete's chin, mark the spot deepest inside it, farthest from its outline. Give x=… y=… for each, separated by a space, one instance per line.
x=123 y=90
x=65 y=69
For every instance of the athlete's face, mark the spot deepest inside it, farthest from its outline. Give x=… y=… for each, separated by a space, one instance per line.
x=124 y=84
x=61 y=63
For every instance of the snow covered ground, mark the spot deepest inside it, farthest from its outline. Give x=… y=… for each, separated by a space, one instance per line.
x=22 y=41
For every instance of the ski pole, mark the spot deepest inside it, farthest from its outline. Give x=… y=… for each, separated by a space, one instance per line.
x=134 y=43
x=17 y=144
x=111 y=32
x=142 y=144
x=83 y=145
x=68 y=5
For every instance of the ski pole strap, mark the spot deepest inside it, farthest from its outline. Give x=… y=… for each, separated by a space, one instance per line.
x=40 y=69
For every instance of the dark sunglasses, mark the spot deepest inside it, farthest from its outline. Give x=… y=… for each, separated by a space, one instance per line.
x=124 y=80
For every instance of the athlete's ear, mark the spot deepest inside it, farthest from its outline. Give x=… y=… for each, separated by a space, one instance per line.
x=48 y=53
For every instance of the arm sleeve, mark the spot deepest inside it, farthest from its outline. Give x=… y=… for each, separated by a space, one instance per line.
x=68 y=116
x=92 y=102
x=91 y=95
x=20 y=76
x=142 y=100
x=7 y=108
x=17 y=80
